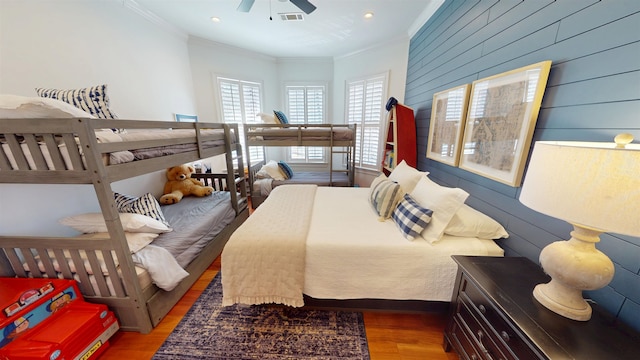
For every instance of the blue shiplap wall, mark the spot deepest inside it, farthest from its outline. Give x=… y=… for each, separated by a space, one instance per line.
x=593 y=93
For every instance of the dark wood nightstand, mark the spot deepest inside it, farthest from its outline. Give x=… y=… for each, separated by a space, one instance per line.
x=495 y=316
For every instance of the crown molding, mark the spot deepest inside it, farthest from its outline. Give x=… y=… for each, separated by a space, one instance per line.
x=153 y=18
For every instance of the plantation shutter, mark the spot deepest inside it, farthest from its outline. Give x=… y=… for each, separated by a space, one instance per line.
x=364 y=108
x=305 y=105
x=241 y=103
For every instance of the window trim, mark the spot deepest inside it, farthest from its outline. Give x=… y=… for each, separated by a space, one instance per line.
x=325 y=90
x=217 y=79
x=361 y=126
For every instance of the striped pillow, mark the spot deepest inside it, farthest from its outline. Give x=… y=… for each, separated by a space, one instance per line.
x=93 y=100
x=143 y=205
x=411 y=218
x=384 y=195
x=282 y=118
x=286 y=169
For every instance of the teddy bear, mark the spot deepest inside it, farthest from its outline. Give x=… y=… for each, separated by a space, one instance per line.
x=181 y=184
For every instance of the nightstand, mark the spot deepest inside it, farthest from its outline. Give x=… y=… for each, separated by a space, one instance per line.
x=495 y=316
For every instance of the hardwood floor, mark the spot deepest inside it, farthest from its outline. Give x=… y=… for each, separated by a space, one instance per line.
x=390 y=336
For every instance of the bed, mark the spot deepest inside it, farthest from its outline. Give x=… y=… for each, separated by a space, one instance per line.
x=74 y=148
x=308 y=243
x=339 y=139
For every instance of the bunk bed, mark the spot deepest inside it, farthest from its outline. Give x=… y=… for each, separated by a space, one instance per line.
x=340 y=139
x=76 y=150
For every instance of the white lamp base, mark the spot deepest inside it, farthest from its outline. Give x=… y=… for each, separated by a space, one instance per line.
x=574 y=265
x=557 y=301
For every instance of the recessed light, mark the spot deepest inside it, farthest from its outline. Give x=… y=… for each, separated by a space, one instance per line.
x=368 y=15
x=215 y=19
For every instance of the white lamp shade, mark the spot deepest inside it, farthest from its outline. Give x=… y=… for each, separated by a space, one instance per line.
x=594 y=185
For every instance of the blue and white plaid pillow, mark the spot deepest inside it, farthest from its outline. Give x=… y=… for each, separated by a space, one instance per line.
x=411 y=218
x=143 y=205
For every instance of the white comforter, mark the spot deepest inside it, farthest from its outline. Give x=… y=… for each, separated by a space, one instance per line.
x=349 y=254
x=352 y=255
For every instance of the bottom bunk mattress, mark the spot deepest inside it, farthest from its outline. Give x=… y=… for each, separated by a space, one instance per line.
x=320 y=178
x=195 y=222
x=334 y=247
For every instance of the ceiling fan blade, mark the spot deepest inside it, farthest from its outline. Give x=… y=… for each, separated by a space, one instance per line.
x=245 y=5
x=304 y=5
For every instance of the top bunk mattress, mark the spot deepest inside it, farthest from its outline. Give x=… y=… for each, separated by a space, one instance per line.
x=45 y=152
x=300 y=133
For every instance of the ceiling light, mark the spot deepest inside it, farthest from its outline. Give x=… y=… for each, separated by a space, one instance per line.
x=368 y=15
x=215 y=19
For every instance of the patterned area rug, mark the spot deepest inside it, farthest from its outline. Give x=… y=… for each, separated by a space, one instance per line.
x=210 y=331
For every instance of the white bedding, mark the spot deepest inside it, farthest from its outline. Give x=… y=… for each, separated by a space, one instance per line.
x=352 y=255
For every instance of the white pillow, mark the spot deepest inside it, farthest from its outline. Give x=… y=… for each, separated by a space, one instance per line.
x=135 y=223
x=470 y=222
x=270 y=170
x=136 y=241
x=24 y=107
x=268 y=118
x=444 y=202
x=406 y=176
x=165 y=271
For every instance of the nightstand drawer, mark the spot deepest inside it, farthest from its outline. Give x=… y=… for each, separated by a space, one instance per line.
x=493 y=295
x=481 y=335
x=506 y=337
x=459 y=335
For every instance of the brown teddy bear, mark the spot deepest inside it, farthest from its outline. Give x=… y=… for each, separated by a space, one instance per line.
x=181 y=184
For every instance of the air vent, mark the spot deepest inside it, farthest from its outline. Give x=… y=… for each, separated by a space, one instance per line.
x=291 y=16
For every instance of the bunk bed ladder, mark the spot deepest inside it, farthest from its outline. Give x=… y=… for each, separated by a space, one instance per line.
x=349 y=151
x=237 y=177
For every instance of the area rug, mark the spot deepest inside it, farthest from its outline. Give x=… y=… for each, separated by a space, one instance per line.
x=211 y=331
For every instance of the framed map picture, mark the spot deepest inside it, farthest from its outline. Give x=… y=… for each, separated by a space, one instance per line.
x=448 y=113
x=502 y=114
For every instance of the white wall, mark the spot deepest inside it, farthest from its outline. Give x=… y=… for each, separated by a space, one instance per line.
x=390 y=58
x=75 y=43
x=68 y=44
x=152 y=71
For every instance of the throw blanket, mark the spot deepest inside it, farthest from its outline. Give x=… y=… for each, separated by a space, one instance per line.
x=264 y=260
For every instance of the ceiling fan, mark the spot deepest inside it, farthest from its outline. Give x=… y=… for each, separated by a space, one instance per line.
x=303 y=5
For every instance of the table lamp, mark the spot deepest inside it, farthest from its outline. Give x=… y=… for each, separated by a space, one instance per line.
x=596 y=188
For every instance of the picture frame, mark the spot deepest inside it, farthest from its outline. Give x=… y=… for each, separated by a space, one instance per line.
x=186 y=118
x=448 y=116
x=502 y=114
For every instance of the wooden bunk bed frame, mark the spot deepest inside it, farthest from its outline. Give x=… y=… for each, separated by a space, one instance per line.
x=138 y=309
x=322 y=135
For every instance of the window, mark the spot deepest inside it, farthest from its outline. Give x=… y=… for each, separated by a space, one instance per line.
x=365 y=101
x=240 y=103
x=306 y=105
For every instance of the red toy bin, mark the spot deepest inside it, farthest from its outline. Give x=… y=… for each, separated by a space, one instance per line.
x=25 y=303
x=80 y=330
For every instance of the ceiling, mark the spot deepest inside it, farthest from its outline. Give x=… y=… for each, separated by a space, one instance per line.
x=336 y=28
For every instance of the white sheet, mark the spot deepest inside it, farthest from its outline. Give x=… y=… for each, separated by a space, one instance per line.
x=351 y=255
